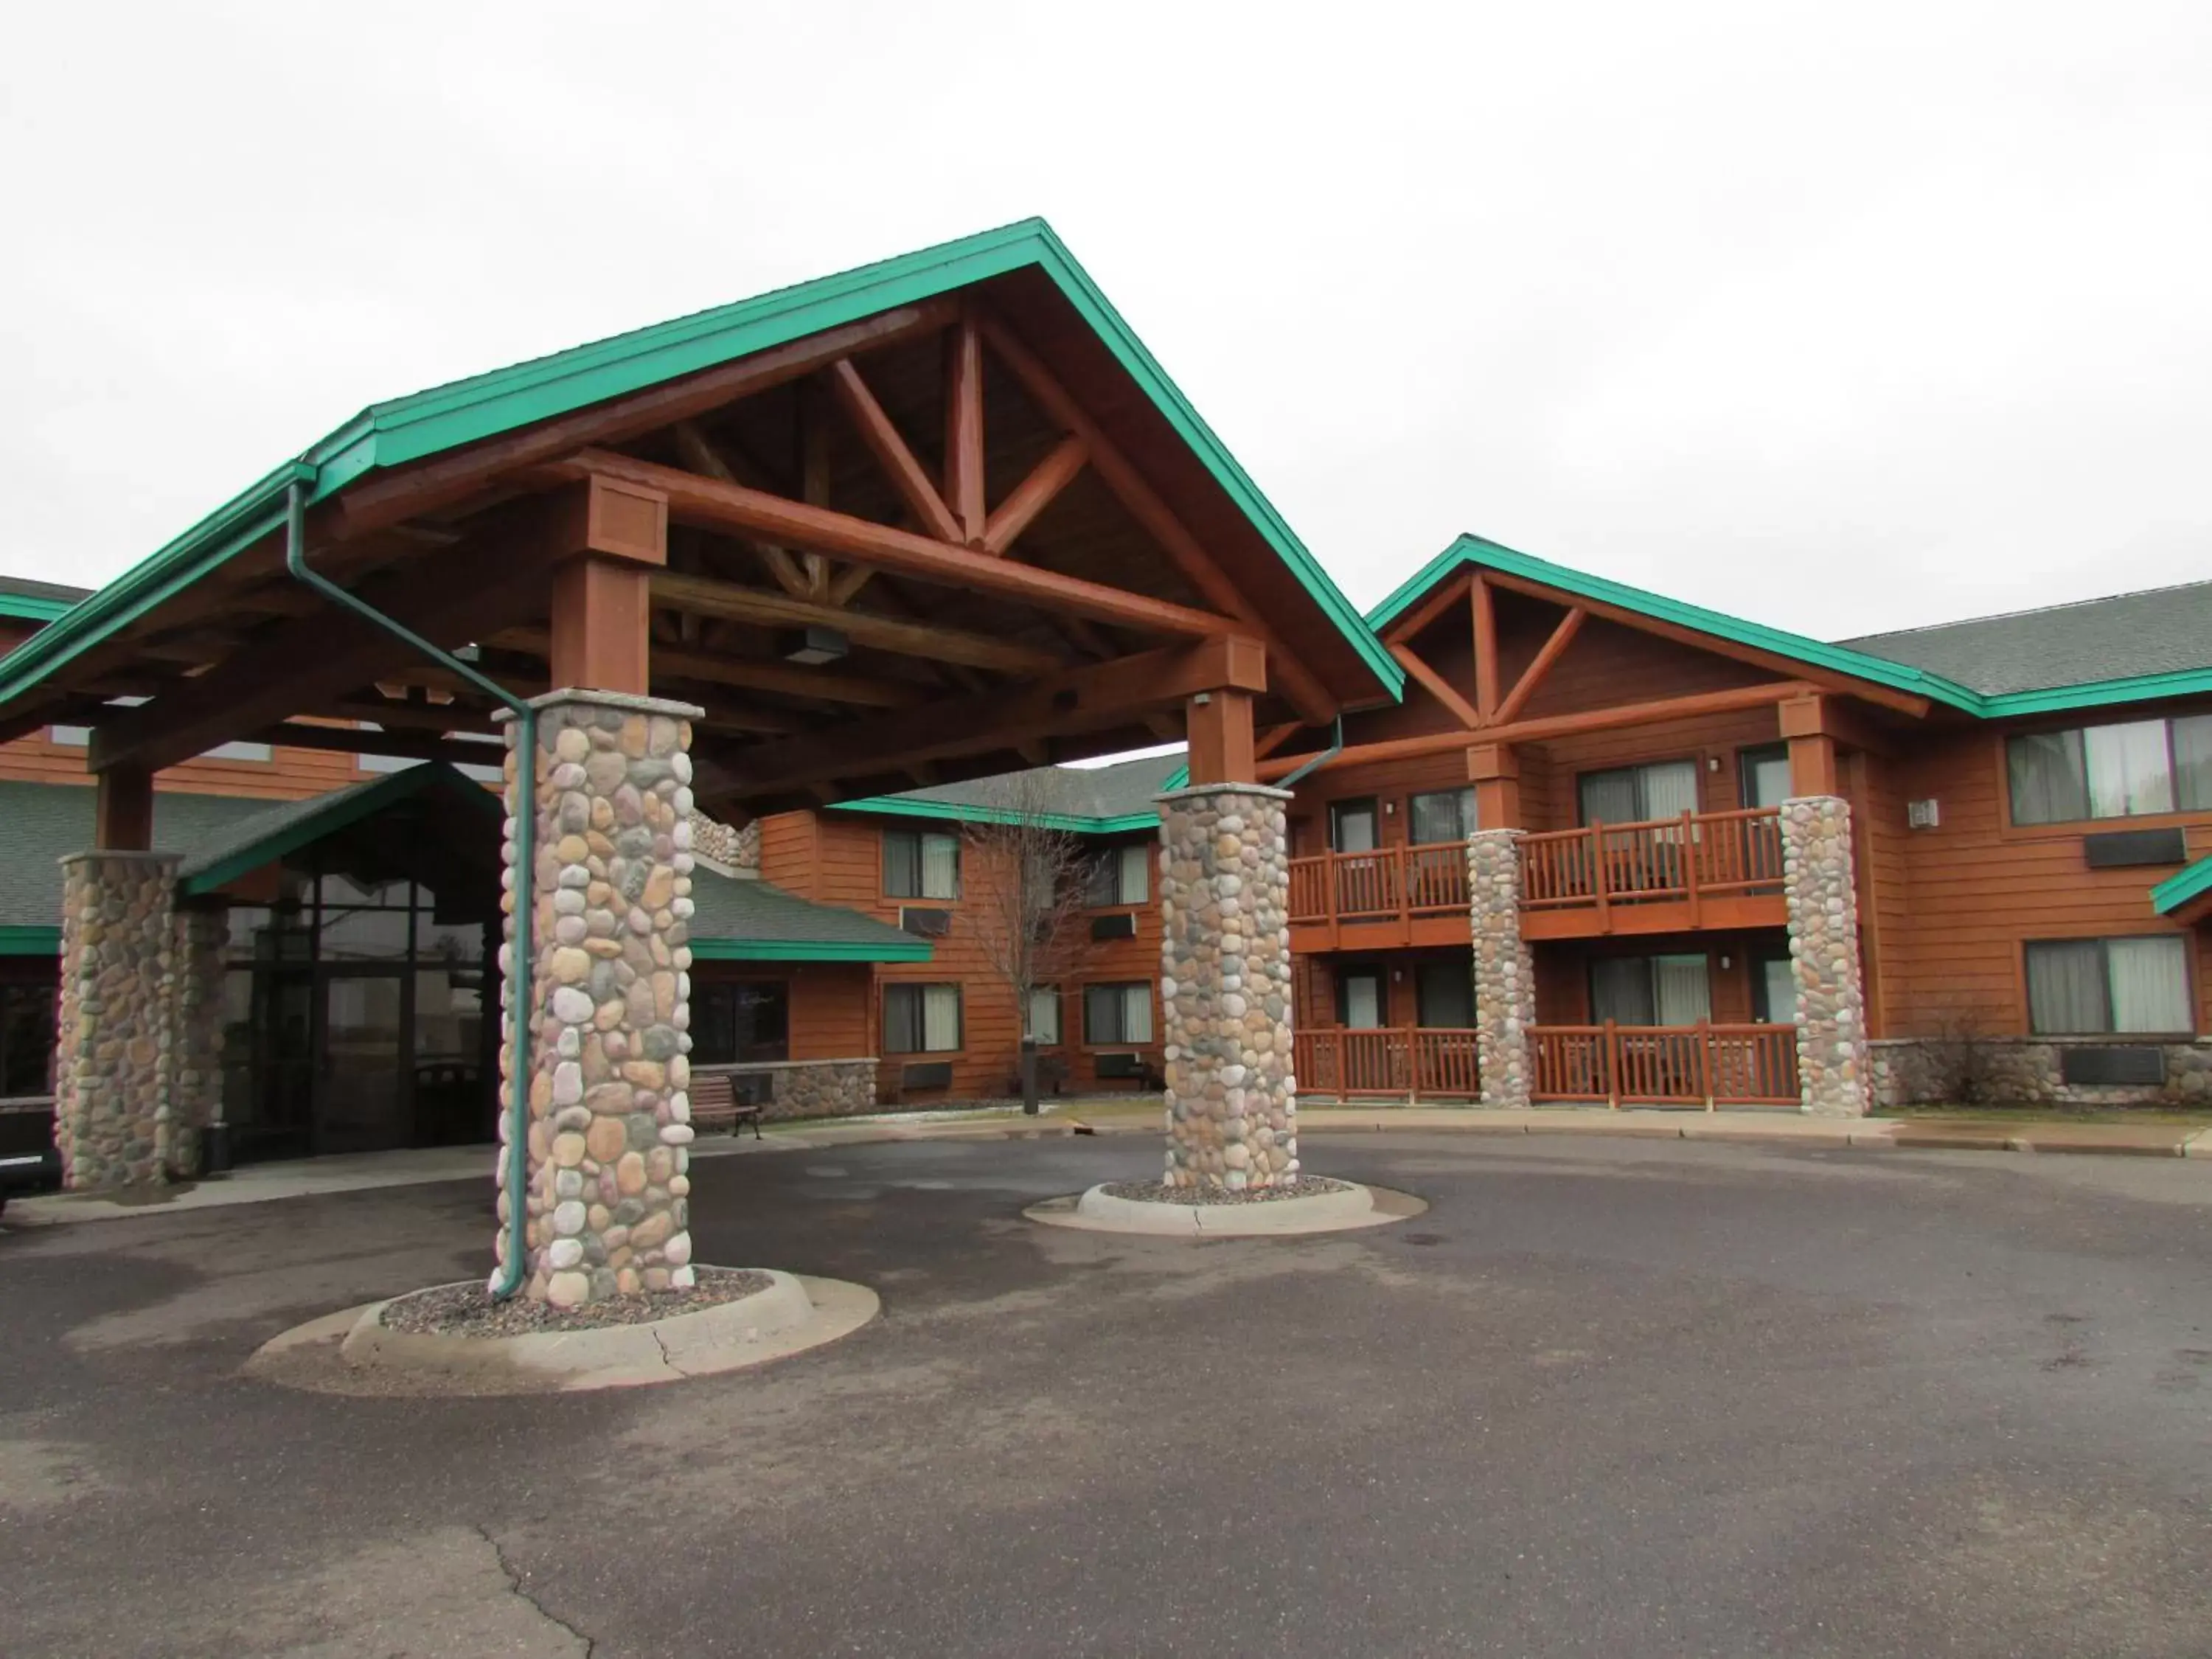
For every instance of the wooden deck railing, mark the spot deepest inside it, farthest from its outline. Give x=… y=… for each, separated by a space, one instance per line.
x=1391 y=882
x=1693 y=856
x=1704 y=1065
x=1402 y=1062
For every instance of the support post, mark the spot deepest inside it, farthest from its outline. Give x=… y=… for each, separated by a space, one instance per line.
x=123 y=809
x=1494 y=769
x=113 y=1040
x=1504 y=972
x=1805 y=726
x=196 y=1024
x=1219 y=727
x=1821 y=893
x=608 y=1184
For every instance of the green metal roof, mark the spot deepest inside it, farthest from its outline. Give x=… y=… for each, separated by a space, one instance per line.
x=1083 y=801
x=1888 y=659
x=2176 y=890
x=737 y=919
x=444 y=417
x=275 y=831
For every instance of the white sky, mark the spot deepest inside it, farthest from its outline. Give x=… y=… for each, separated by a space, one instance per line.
x=1839 y=317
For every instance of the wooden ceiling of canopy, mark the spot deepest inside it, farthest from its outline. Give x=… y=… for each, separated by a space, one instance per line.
x=1027 y=562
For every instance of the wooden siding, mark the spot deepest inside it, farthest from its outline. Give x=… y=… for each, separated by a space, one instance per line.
x=829 y=1007
x=288 y=774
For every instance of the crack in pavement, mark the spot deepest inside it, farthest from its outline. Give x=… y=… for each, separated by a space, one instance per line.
x=658 y=1343
x=513 y=1576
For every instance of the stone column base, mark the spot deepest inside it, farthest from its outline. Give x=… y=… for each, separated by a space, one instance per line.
x=1504 y=972
x=113 y=1044
x=1820 y=886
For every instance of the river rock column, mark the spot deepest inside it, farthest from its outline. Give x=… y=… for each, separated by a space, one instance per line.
x=1821 y=891
x=1225 y=988
x=608 y=1192
x=112 y=1050
x=196 y=1024
x=1505 y=973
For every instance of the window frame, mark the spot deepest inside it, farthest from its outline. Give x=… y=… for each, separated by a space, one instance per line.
x=1695 y=762
x=1463 y=802
x=1373 y=805
x=2011 y=827
x=1059 y=1000
x=1364 y=968
x=1649 y=961
x=1749 y=757
x=1152 y=990
x=2110 y=1032
x=1116 y=856
x=1424 y=966
x=920 y=988
x=920 y=837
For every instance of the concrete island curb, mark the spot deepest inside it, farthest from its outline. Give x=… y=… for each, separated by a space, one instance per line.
x=1347 y=1210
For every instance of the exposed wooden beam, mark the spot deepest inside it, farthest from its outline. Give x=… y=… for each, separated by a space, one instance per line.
x=700 y=455
x=963 y=427
x=1098 y=694
x=1621 y=718
x=1439 y=688
x=1153 y=514
x=1533 y=676
x=814 y=474
x=787 y=679
x=1034 y=494
x=1446 y=596
x=848 y=582
x=710 y=597
x=359 y=740
x=1835 y=717
x=1826 y=679
x=1274 y=737
x=452 y=477
x=874 y=425
x=1482 y=604
x=700 y=500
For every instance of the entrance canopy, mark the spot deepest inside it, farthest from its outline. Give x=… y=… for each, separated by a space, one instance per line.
x=935 y=518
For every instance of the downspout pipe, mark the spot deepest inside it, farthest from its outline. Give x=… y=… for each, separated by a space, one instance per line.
x=508 y=1280
x=1335 y=748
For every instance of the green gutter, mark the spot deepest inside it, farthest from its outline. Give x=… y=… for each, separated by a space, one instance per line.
x=2176 y=890
x=29 y=607
x=28 y=941
x=1074 y=823
x=791 y=950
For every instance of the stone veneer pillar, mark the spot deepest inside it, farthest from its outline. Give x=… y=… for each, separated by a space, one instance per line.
x=1819 y=885
x=202 y=938
x=1225 y=988
x=608 y=1191
x=1505 y=973
x=112 y=1050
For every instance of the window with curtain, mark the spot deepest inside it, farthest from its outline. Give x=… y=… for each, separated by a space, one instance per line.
x=1444 y=995
x=1658 y=990
x=2126 y=768
x=1117 y=1013
x=1441 y=815
x=1638 y=794
x=921 y=1020
x=1763 y=775
x=1351 y=826
x=1044 y=1016
x=1774 y=991
x=919 y=864
x=1359 y=1000
x=2087 y=986
x=1120 y=875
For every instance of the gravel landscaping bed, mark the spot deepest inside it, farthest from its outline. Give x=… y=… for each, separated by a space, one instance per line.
x=1158 y=1192
x=468 y=1310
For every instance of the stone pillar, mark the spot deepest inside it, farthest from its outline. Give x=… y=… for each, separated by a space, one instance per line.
x=1505 y=973
x=112 y=1054
x=610 y=997
x=1833 y=1071
x=1225 y=987
x=201 y=936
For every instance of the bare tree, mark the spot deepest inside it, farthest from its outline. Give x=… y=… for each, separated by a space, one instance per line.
x=1025 y=882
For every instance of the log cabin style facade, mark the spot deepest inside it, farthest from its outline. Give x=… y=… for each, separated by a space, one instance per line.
x=1705 y=861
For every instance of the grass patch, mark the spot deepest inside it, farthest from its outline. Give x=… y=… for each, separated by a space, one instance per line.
x=2032 y=1114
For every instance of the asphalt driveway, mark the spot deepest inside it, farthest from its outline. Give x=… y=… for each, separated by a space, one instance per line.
x=1606 y=1397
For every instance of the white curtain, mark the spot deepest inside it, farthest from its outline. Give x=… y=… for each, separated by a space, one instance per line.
x=1137 y=1013
x=2066 y=987
x=1362 y=1001
x=1670 y=790
x=1044 y=1016
x=1610 y=796
x=2149 y=984
x=940 y=1017
x=2049 y=784
x=1620 y=989
x=2128 y=771
x=2192 y=763
x=1136 y=874
x=1681 y=993
x=940 y=867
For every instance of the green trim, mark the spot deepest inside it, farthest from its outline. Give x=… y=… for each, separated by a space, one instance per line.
x=793 y=949
x=349 y=807
x=30 y=941
x=405 y=429
x=29 y=607
x=2176 y=890
x=1074 y=823
x=1478 y=552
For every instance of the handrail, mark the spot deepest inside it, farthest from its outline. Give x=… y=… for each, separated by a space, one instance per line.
x=1704 y=1064
x=1396 y=1061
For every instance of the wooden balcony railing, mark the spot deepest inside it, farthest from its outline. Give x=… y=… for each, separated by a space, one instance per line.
x=1405 y=1063
x=1704 y=1065
x=1697 y=855
x=1390 y=883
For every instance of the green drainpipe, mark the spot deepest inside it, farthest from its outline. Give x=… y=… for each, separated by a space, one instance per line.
x=1335 y=748
x=509 y=1279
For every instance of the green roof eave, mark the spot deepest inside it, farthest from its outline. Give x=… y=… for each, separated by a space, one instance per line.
x=787 y=950
x=349 y=806
x=1074 y=824
x=2140 y=688
x=446 y=417
x=30 y=941
x=2176 y=890
x=32 y=607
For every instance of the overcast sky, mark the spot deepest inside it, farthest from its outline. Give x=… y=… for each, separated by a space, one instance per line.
x=1840 y=317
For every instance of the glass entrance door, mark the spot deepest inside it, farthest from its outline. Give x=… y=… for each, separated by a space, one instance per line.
x=362 y=1098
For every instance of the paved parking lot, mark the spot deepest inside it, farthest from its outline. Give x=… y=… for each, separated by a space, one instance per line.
x=1606 y=1397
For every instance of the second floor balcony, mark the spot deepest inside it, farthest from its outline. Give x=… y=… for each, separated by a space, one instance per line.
x=1668 y=875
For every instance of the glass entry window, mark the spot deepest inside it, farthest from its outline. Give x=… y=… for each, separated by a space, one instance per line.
x=1361 y=1000
x=1351 y=826
x=1639 y=794
x=1658 y=990
x=1773 y=990
x=1763 y=775
x=736 y=1021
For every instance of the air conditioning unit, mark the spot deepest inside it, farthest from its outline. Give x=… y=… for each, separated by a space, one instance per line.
x=1923 y=814
x=1124 y=925
x=925 y=923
